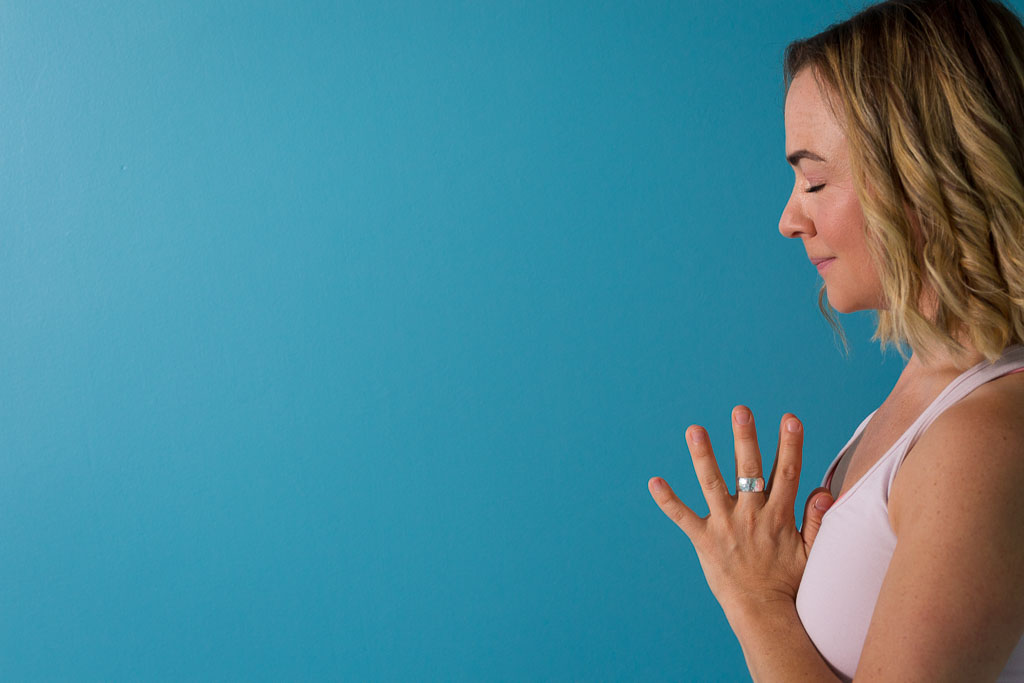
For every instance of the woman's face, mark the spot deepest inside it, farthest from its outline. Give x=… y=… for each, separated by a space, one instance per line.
x=823 y=209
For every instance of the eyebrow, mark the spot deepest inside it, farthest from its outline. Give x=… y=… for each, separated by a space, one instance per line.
x=796 y=156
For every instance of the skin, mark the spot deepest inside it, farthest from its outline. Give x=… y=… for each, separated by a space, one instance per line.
x=951 y=607
x=823 y=210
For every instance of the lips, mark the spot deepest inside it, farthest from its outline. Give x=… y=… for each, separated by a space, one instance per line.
x=816 y=261
x=823 y=264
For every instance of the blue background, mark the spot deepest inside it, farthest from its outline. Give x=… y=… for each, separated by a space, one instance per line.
x=340 y=340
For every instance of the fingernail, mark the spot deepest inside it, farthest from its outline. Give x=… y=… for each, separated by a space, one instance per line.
x=658 y=485
x=743 y=416
x=696 y=436
x=823 y=503
x=793 y=426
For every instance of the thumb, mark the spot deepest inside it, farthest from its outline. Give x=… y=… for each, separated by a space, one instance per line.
x=818 y=503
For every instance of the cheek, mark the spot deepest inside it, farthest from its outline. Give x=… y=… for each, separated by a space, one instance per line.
x=845 y=226
x=830 y=226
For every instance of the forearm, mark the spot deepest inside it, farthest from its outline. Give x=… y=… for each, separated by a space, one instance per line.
x=776 y=646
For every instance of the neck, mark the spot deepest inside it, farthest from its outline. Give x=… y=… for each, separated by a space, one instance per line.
x=921 y=382
x=943 y=362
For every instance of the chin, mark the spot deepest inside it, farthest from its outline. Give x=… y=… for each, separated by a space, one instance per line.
x=845 y=305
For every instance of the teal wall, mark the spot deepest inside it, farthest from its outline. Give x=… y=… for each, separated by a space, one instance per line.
x=339 y=340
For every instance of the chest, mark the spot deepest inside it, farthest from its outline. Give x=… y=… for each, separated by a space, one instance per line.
x=899 y=412
x=878 y=437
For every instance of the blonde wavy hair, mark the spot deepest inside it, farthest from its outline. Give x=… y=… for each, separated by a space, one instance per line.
x=931 y=97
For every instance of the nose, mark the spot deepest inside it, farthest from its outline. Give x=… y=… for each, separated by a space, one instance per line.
x=794 y=222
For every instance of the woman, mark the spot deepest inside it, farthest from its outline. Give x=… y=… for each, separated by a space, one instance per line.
x=905 y=129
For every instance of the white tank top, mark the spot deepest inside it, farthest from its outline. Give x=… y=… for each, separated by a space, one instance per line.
x=855 y=543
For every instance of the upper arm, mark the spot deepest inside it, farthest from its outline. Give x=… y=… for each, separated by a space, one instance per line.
x=951 y=606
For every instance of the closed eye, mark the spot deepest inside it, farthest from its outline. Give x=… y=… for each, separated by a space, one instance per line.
x=815 y=188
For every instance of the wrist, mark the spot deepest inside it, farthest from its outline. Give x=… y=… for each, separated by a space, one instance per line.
x=753 y=616
x=775 y=645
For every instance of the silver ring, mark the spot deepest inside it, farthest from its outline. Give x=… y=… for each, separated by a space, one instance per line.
x=750 y=484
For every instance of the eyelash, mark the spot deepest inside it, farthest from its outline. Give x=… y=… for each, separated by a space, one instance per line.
x=815 y=188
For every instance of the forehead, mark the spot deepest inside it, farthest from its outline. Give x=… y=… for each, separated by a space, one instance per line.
x=810 y=122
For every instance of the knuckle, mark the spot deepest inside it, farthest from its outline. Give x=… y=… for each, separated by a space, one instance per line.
x=782 y=518
x=700 y=453
x=680 y=517
x=748 y=469
x=747 y=440
x=789 y=473
x=711 y=484
x=749 y=522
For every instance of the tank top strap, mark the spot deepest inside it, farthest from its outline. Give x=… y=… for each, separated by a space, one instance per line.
x=1011 y=360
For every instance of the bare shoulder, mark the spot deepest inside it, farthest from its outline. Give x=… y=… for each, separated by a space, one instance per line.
x=951 y=606
x=973 y=453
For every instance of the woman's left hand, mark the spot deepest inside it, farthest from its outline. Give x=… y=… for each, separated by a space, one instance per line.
x=748 y=546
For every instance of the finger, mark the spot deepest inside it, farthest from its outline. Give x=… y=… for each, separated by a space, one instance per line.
x=685 y=518
x=817 y=505
x=748 y=455
x=786 y=477
x=775 y=465
x=716 y=493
